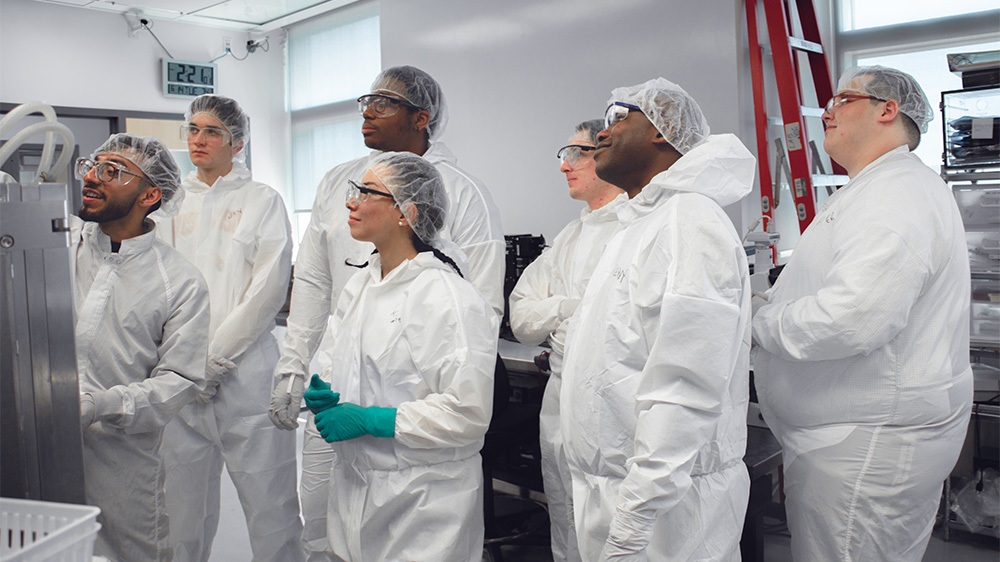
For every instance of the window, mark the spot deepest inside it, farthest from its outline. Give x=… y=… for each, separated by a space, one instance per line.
x=915 y=36
x=862 y=14
x=332 y=60
x=930 y=68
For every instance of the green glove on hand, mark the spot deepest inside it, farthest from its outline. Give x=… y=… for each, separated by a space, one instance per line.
x=319 y=397
x=350 y=421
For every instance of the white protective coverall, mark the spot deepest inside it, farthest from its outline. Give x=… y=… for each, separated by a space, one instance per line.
x=541 y=304
x=655 y=385
x=237 y=233
x=863 y=366
x=421 y=340
x=473 y=223
x=142 y=320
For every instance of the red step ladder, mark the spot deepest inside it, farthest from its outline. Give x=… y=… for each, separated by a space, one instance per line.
x=783 y=45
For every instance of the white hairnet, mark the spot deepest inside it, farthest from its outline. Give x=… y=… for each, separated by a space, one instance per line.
x=229 y=113
x=891 y=84
x=418 y=189
x=155 y=161
x=420 y=89
x=670 y=109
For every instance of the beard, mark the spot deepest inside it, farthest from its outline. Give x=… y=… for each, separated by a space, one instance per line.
x=112 y=211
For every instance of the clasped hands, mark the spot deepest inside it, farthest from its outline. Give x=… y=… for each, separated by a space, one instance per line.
x=340 y=421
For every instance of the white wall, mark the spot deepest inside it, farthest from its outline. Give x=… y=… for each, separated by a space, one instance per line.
x=84 y=58
x=520 y=74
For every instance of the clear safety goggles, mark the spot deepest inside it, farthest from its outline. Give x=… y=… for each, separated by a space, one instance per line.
x=618 y=111
x=106 y=171
x=358 y=193
x=846 y=97
x=382 y=105
x=212 y=135
x=573 y=152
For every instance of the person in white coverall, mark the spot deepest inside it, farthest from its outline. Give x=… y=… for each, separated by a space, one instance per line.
x=655 y=382
x=142 y=320
x=236 y=231
x=406 y=111
x=412 y=371
x=545 y=298
x=863 y=366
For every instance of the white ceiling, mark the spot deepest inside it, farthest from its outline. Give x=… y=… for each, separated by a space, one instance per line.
x=247 y=15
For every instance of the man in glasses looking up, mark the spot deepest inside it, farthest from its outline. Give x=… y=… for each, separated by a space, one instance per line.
x=863 y=366
x=405 y=112
x=544 y=299
x=142 y=318
x=655 y=383
x=236 y=231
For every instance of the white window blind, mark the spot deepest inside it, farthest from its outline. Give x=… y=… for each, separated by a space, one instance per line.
x=332 y=60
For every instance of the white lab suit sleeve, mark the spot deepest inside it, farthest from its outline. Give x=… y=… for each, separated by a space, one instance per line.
x=457 y=340
x=534 y=310
x=487 y=262
x=693 y=293
x=271 y=242
x=312 y=288
x=875 y=277
x=149 y=404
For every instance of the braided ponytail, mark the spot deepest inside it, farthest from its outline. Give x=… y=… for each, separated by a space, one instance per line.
x=422 y=246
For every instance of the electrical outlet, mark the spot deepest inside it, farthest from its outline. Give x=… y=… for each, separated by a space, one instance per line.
x=227 y=43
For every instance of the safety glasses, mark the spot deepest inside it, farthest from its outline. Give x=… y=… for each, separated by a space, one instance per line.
x=360 y=193
x=840 y=99
x=105 y=171
x=212 y=135
x=573 y=152
x=382 y=105
x=618 y=111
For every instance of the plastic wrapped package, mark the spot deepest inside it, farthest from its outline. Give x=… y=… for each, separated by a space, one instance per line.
x=976 y=503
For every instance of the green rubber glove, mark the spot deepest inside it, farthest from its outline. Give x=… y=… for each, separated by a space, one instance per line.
x=350 y=421
x=319 y=397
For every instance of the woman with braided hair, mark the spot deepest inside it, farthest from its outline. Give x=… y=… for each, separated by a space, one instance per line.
x=411 y=369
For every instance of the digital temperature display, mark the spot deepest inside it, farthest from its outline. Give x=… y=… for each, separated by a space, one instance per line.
x=187 y=79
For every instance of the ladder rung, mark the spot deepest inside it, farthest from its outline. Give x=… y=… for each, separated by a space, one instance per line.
x=829 y=179
x=803 y=45
x=811 y=111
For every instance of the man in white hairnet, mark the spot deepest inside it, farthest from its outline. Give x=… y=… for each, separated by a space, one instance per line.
x=655 y=383
x=863 y=366
x=142 y=316
x=405 y=112
x=544 y=299
x=236 y=231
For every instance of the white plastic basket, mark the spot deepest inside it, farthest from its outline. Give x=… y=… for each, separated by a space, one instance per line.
x=36 y=531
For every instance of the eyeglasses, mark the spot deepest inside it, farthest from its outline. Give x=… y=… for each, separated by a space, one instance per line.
x=382 y=105
x=213 y=135
x=106 y=171
x=573 y=152
x=357 y=191
x=840 y=99
x=618 y=111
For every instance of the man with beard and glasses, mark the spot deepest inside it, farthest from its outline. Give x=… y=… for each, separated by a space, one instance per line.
x=142 y=318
